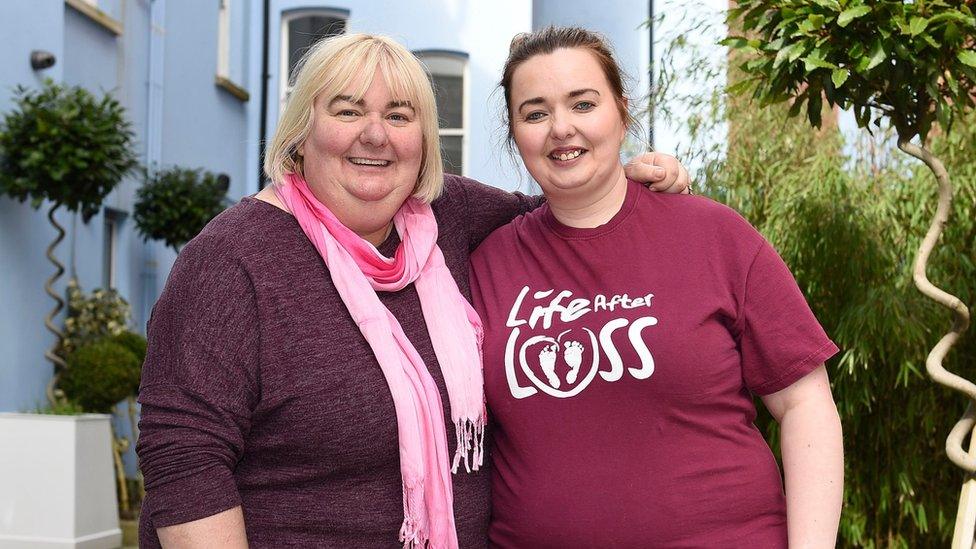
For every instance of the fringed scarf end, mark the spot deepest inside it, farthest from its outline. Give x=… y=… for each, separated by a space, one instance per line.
x=415 y=530
x=470 y=444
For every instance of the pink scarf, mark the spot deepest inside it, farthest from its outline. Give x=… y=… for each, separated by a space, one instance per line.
x=358 y=271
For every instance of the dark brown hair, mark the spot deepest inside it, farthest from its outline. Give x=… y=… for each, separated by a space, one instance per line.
x=527 y=45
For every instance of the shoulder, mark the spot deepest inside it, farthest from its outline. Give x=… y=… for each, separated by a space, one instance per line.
x=698 y=219
x=248 y=226
x=514 y=233
x=247 y=231
x=459 y=192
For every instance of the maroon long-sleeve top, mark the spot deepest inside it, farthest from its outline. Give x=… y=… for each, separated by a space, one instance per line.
x=260 y=391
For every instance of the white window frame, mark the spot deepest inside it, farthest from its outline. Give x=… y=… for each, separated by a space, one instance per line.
x=284 y=79
x=223 y=39
x=113 y=220
x=461 y=59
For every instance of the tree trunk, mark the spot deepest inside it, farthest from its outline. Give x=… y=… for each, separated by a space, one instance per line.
x=966 y=460
x=50 y=354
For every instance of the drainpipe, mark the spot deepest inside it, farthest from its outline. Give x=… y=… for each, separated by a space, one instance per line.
x=154 y=124
x=263 y=131
x=650 y=73
x=154 y=135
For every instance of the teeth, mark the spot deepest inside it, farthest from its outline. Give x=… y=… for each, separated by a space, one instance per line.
x=570 y=156
x=369 y=162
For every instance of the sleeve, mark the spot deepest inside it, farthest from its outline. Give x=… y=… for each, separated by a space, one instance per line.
x=490 y=207
x=780 y=340
x=199 y=385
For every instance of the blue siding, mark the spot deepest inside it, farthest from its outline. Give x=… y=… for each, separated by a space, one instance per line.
x=164 y=73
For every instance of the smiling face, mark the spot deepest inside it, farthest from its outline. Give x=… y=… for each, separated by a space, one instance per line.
x=362 y=158
x=566 y=122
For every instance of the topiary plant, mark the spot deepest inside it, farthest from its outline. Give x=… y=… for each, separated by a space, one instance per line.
x=64 y=145
x=175 y=204
x=99 y=375
x=136 y=344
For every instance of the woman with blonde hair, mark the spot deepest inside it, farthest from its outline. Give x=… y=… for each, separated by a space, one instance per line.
x=313 y=376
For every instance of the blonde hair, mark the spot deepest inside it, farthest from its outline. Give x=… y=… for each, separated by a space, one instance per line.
x=329 y=68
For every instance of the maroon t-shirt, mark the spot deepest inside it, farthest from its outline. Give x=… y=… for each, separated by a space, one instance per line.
x=620 y=367
x=259 y=389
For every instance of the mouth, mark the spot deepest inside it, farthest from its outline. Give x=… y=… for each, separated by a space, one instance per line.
x=369 y=162
x=566 y=154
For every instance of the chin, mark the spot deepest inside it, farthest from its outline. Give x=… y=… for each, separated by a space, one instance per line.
x=377 y=191
x=565 y=184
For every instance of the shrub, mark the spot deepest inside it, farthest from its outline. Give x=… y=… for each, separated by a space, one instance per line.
x=176 y=204
x=99 y=375
x=64 y=145
x=92 y=317
x=136 y=344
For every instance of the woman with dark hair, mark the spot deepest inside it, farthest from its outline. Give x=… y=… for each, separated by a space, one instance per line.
x=626 y=334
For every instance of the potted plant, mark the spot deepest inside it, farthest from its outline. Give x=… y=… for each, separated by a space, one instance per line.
x=63 y=145
x=177 y=203
x=65 y=453
x=56 y=486
x=104 y=362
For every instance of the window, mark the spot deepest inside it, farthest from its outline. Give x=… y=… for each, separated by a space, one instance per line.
x=300 y=31
x=230 y=58
x=113 y=220
x=447 y=71
x=223 y=39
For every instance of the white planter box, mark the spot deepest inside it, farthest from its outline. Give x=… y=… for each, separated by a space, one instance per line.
x=57 y=482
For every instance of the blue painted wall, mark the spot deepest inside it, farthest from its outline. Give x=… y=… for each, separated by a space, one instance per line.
x=162 y=68
x=25 y=233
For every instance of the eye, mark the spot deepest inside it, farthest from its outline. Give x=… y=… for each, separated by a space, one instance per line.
x=398 y=117
x=584 y=106
x=347 y=113
x=535 y=116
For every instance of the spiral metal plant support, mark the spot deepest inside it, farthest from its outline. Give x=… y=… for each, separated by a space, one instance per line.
x=50 y=354
x=965 y=459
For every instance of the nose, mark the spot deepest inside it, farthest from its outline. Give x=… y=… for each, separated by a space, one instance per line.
x=374 y=132
x=562 y=126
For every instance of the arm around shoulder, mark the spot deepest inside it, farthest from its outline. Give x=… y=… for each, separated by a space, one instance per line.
x=485 y=207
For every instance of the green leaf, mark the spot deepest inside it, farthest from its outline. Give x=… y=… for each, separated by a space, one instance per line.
x=814 y=108
x=967 y=57
x=829 y=4
x=736 y=42
x=786 y=54
x=918 y=25
x=952 y=34
x=877 y=56
x=814 y=61
x=740 y=86
x=839 y=76
x=851 y=14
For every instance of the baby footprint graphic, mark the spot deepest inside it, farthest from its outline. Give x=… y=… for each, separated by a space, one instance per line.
x=547 y=359
x=573 y=355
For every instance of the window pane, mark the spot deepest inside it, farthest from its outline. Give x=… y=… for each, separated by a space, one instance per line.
x=451 y=153
x=449 y=92
x=304 y=32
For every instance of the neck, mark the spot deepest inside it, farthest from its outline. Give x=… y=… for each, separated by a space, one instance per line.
x=377 y=237
x=595 y=207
